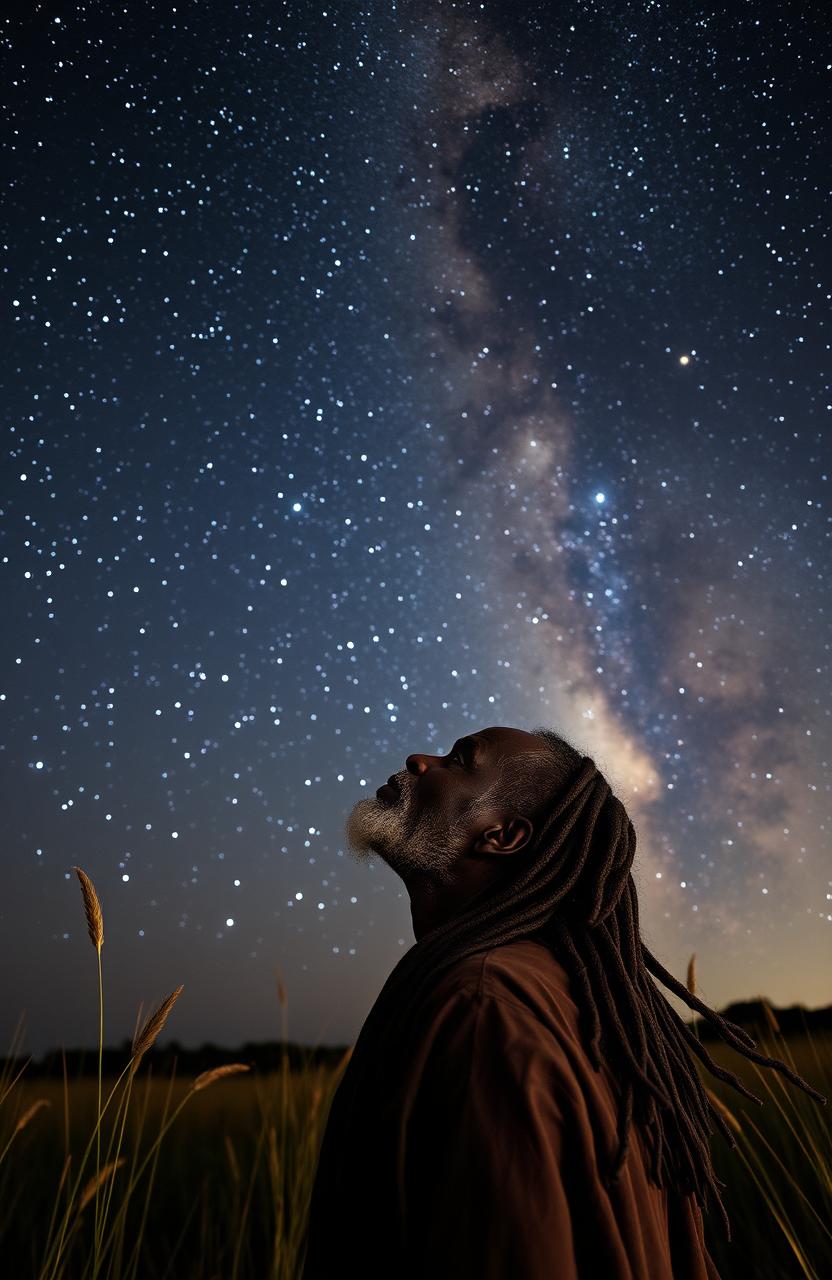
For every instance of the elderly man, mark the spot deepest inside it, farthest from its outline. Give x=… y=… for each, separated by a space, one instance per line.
x=484 y=1126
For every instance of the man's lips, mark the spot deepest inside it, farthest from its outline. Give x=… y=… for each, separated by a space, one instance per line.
x=390 y=787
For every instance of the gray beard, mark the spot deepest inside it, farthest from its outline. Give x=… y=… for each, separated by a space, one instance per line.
x=407 y=843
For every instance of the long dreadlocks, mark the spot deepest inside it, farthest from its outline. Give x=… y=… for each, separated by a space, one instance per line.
x=575 y=892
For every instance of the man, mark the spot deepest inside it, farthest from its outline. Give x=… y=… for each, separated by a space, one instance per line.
x=481 y=1129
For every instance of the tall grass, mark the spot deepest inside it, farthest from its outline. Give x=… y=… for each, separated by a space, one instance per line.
x=47 y=1233
x=209 y=1178
x=779 y=1175
x=95 y=928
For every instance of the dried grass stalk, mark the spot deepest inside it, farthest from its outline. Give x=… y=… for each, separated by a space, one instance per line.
x=153 y=1026
x=274 y=1162
x=31 y=1111
x=770 y=1018
x=217 y=1073
x=97 y=1180
x=232 y=1158
x=723 y=1110
x=691 y=982
x=92 y=908
x=64 y=1172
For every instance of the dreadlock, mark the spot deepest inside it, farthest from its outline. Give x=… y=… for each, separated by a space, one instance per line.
x=575 y=892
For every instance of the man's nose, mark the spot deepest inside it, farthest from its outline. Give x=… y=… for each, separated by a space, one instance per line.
x=419 y=762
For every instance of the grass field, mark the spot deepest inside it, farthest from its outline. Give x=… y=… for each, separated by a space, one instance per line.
x=224 y=1194
x=228 y=1194
x=210 y=1177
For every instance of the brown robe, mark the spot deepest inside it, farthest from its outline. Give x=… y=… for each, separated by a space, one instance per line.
x=500 y=1151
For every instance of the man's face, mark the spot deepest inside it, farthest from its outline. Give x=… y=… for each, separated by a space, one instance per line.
x=422 y=819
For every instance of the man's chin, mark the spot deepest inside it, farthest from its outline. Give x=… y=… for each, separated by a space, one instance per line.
x=363 y=852
x=375 y=852
x=361 y=830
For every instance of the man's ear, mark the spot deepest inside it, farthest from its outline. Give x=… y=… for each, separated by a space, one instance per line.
x=510 y=837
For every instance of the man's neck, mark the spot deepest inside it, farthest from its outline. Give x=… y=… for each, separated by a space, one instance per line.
x=433 y=904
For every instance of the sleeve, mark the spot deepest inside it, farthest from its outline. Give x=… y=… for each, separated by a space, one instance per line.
x=484 y=1150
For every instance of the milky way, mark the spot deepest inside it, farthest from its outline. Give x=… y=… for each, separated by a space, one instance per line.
x=374 y=376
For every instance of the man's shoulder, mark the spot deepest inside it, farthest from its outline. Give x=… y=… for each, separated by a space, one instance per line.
x=512 y=999
x=524 y=972
x=528 y=973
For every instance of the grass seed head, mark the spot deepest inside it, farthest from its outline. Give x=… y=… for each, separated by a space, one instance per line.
x=31 y=1111
x=97 y=1180
x=218 y=1073
x=153 y=1027
x=92 y=908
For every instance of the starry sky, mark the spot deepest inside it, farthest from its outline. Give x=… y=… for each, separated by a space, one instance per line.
x=374 y=374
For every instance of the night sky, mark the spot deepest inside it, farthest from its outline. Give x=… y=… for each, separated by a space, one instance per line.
x=378 y=373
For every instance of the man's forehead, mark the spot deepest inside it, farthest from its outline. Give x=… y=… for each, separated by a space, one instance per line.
x=504 y=738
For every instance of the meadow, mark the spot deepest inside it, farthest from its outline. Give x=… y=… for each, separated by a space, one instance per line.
x=208 y=1177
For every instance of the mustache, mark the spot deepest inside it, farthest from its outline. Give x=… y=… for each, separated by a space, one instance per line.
x=398 y=783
